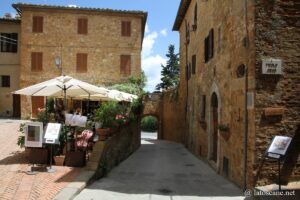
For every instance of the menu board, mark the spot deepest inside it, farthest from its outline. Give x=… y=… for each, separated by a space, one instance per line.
x=75 y=120
x=52 y=133
x=33 y=134
x=279 y=146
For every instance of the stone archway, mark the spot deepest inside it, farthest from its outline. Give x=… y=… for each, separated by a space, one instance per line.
x=152 y=107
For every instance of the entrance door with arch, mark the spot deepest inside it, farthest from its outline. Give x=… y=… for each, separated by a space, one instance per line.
x=214 y=123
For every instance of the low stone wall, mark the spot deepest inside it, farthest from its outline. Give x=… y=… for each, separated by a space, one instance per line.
x=119 y=147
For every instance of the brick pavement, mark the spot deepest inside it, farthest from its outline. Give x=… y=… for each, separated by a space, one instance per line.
x=14 y=182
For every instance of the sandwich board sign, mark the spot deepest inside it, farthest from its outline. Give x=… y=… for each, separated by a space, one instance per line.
x=52 y=133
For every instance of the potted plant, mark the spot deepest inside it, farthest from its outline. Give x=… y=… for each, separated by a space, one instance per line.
x=224 y=131
x=106 y=115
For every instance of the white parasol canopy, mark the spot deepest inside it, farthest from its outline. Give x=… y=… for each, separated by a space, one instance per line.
x=112 y=95
x=62 y=86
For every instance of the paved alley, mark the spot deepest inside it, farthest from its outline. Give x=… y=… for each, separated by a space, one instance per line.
x=161 y=170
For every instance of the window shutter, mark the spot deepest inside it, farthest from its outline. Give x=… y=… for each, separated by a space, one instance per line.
x=36 y=61
x=206 y=50
x=211 y=43
x=81 y=60
x=36 y=103
x=125 y=65
x=37 y=24
x=194 y=63
x=126 y=28
x=82 y=26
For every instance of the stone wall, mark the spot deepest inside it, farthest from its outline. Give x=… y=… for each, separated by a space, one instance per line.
x=277 y=36
x=9 y=65
x=119 y=147
x=232 y=22
x=103 y=43
x=173 y=117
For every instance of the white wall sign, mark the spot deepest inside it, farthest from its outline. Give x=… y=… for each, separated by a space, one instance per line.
x=271 y=66
x=279 y=146
x=34 y=134
x=52 y=133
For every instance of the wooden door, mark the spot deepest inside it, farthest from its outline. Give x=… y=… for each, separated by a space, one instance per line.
x=16 y=106
x=215 y=134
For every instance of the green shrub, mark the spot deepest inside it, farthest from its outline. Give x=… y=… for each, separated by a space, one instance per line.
x=149 y=124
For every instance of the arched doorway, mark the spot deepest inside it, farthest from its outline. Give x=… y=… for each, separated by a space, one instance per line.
x=214 y=125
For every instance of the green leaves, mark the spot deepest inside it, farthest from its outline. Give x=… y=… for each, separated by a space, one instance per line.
x=170 y=72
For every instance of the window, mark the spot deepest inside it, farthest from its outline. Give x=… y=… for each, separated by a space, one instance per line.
x=5 y=81
x=82 y=26
x=125 y=65
x=187 y=33
x=219 y=39
x=36 y=61
x=194 y=63
x=37 y=24
x=209 y=46
x=9 y=42
x=203 y=107
x=126 y=28
x=81 y=62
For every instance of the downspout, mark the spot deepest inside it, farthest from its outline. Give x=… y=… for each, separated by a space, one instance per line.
x=246 y=103
x=187 y=82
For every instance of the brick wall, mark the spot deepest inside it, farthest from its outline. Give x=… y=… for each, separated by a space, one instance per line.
x=277 y=36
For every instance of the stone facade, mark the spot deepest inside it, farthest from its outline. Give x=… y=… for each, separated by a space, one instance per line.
x=9 y=66
x=215 y=92
x=103 y=44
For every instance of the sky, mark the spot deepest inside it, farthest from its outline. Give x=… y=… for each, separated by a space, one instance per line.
x=158 y=35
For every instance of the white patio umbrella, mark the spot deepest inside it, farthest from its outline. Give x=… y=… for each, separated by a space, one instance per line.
x=113 y=95
x=62 y=86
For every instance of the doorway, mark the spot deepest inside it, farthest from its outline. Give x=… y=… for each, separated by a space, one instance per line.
x=214 y=123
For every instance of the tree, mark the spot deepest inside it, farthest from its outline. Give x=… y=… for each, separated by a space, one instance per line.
x=170 y=72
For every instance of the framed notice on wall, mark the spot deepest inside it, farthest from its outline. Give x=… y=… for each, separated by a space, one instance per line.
x=279 y=146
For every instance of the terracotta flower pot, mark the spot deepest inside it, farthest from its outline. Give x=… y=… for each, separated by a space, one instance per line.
x=59 y=160
x=103 y=133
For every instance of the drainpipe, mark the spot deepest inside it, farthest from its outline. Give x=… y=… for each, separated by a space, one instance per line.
x=246 y=129
x=187 y=84
x=246 y=103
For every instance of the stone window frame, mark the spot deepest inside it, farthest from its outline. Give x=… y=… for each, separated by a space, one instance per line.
x=9 y=42
x=5 y=81
x=126 y=28
x=81 y=62
x=36 y=61
x=82 y=25
x=37 y=24
x=125 y=65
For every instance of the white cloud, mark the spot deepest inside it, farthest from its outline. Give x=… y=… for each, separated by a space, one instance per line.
x=152 y=68
x=73 y=6
x=147 y=29
x=148 y=43
x=164 y=32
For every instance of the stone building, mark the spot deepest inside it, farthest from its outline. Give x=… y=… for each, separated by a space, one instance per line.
x=9 y=66
x=99 y=46
x=233 y=107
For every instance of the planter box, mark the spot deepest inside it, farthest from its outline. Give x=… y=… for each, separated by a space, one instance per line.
x=38 y=156
x=75 y=159
x=103 y=133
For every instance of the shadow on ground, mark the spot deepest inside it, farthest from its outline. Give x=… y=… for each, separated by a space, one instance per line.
x=16 y=157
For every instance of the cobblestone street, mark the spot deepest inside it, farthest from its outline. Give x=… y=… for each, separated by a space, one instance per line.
x=14 y=182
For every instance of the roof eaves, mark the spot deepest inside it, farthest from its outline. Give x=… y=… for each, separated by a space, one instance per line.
x=183 y=7
x=20 y=6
